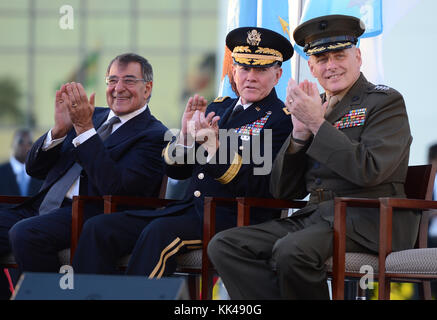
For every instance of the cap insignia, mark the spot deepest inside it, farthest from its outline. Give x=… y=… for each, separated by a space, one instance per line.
x=253 y=37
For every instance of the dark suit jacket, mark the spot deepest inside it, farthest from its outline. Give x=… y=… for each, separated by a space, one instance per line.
x=361 y=150
x=9 y=185
x=128 y=162
x=224 y=179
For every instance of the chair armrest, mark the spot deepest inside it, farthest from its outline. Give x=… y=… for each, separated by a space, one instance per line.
x=245 y=203
x=77 y=212
x=339 y=251
x=112 y=202
x=386 y=209
x=210 y=204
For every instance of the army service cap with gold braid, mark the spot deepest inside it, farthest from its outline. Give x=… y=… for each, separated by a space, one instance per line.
x=328 y=33
x=258 y=47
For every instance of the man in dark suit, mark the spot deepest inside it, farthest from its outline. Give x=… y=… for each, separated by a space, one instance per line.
x=16 y=182
x=14 y=179
x=115 y=150
x=222 y=165
x=354 y=141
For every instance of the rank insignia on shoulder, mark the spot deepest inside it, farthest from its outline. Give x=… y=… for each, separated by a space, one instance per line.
x=381 y=87
x=220 y=99
x=286 y=111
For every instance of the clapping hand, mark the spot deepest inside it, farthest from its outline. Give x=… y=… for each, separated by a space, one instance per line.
x=305 y=105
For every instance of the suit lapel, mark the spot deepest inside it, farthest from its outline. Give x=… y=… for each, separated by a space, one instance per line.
x=11 y=178
x=223 y=122
x=100 y=117
x=129 y=129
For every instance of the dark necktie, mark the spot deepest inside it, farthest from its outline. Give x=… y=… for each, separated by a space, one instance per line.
x=106 y=129
x=59 y=189
x=237 y=110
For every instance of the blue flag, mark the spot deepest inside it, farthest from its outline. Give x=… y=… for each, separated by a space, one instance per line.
x=369 y=11
x=269 y=14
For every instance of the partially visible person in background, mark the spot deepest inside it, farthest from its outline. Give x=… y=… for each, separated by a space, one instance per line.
x=14 y=179
x=16 y=182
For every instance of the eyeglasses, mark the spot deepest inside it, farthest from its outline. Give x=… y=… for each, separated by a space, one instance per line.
x=128 y=82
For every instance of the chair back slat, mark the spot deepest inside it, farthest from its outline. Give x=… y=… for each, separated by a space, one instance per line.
x=163 y=187
x=420 y=181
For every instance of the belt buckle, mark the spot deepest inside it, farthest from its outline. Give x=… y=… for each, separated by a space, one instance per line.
x=320 y=194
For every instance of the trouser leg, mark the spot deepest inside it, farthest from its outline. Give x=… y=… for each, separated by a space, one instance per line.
x=299 y=258
x=161 y=241
x=8 y=218
x=104 y=240
x=242 y=258
x=36 y=241
x=278 y=259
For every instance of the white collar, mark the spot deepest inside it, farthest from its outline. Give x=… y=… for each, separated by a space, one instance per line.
x=245 y=106
x=126 y=117
x=16 y=165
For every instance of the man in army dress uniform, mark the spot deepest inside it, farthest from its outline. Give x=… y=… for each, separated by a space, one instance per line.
x=218 y=167
x=353 y=140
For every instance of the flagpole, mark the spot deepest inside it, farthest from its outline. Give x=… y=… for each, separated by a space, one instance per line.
x=295 y=13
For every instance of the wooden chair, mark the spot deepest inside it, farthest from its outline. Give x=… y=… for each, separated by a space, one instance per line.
x=402 y=265
x=190 y=263
x=79 y=203
x=414 y=265
x=418 y=185
x=194 y=263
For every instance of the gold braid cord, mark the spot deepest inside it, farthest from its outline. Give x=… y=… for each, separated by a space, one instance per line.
x=233 y=170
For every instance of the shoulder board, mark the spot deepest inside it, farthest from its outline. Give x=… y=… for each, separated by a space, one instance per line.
x=380 y=88
x=220 y=99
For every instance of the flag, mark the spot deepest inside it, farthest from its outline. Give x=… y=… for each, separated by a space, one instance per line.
x=369 y=11
x=273 y=15
x=87 y=71
x=379 y=16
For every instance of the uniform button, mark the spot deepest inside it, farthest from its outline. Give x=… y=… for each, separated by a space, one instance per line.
x=197 y=193
x=201 y=176
x=318 y=181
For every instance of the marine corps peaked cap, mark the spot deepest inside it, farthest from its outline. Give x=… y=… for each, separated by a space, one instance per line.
x=328 y=33
x=258 y=47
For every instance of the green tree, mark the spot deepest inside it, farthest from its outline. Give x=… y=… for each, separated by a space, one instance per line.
x=9 y=102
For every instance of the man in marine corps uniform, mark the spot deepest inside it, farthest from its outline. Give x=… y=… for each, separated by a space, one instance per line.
x=226 y=165
x=353 y=140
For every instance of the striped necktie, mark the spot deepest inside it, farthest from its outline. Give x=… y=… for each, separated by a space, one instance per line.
x=56 y=194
